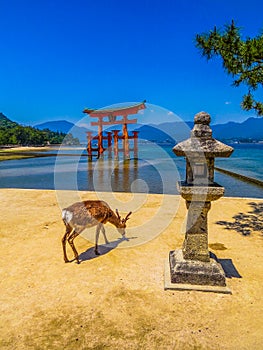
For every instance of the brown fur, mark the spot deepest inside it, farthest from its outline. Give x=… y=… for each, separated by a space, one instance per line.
x=81 y=215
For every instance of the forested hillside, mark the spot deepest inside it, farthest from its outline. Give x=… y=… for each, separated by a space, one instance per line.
x=12 y=133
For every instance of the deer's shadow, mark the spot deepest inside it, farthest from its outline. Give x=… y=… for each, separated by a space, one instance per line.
x=103 y=249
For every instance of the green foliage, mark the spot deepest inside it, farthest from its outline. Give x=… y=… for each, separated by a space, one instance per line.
x=243 y=59
x=5 y=122
x=12 y=133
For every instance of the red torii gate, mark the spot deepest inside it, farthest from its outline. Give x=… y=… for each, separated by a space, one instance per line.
x=112 y=114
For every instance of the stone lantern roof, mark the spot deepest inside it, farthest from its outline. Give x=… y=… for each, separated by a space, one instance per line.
x=201 y=141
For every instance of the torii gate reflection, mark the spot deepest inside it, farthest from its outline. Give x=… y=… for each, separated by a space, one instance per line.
x=107 y=175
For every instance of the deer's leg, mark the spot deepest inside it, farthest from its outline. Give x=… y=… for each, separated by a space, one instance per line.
x=64 y=241
x=99 y=226
x=104 y=234
x=71 y=238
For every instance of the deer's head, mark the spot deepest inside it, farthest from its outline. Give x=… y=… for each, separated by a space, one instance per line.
x=122 y=223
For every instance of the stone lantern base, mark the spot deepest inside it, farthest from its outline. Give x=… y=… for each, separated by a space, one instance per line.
x=182 y=274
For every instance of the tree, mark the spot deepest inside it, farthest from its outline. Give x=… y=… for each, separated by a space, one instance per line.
x=243 y=59
x=70 y=140
x=12 y=133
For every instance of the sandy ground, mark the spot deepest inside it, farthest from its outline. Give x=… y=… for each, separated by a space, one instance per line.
x=117 y=300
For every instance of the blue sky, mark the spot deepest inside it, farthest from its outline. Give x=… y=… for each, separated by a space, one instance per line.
x=58 y=57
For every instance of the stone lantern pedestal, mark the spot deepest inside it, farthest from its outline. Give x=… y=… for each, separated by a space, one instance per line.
x=193 y=267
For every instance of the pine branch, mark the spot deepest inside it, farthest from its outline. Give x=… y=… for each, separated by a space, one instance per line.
x=242 y=59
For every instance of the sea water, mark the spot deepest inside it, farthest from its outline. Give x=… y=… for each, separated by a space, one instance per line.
x=156 y=171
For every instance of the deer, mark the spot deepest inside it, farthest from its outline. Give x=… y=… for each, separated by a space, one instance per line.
x=81 y=215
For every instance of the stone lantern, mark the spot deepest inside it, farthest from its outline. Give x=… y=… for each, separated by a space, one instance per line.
x=193 y=267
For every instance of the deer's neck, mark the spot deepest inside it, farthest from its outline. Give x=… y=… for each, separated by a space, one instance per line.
x=114 y=220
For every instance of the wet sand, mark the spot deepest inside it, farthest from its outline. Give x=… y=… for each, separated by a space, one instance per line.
x=117 y=300
x=13 y=153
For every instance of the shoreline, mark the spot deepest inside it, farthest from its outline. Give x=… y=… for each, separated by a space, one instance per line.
x=39 y=148
x=25 y=148
x=83 y=192
x=22 y=152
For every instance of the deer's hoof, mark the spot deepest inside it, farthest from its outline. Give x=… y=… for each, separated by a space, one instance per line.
x=97 y=253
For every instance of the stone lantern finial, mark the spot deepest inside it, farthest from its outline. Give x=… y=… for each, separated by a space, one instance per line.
x=202 y=118
x=201 y=127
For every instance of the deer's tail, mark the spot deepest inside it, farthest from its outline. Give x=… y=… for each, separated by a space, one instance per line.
x=66 y=216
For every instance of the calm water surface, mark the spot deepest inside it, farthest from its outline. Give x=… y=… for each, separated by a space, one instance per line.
x=156 y=171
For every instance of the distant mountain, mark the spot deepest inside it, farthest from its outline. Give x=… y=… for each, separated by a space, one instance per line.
x=65 y=127
x=6 y=122
x=171 y=132
x=58 y=125
x=252 y=128
x=154 y=134
x=178 y=131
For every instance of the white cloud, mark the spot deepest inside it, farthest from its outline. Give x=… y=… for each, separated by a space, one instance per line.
x=227 y=103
